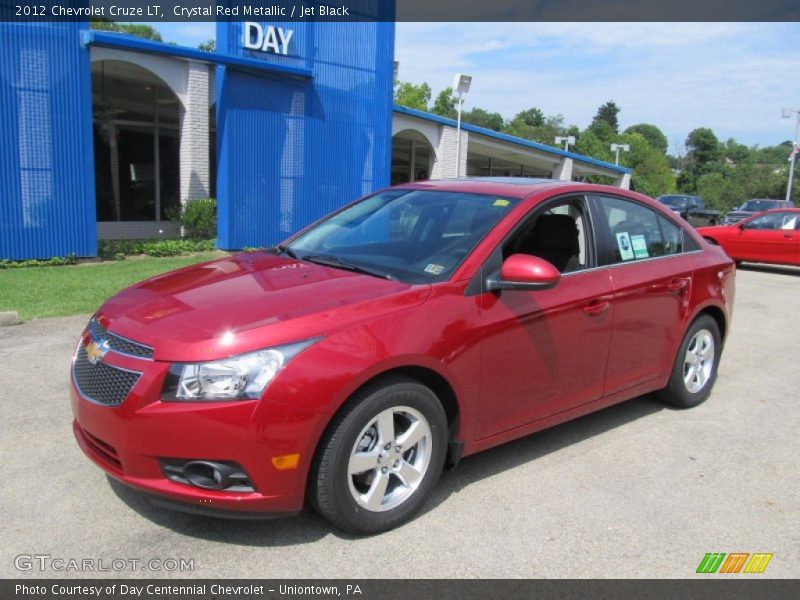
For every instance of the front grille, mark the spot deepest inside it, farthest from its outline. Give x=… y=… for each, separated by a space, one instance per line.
x=102 y=383
x=117 y=343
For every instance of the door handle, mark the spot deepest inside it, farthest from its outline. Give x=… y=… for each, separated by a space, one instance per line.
x=788 y=235
x=677 y=285
x=596 y=307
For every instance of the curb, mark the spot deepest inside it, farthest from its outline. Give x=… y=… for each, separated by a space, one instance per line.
x=9 y=318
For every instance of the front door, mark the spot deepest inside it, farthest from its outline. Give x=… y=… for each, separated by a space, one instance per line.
x=772 y=237
x=545 y=351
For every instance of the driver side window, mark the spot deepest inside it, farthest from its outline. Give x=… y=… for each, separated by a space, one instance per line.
x=558 y=235
x=773 y=221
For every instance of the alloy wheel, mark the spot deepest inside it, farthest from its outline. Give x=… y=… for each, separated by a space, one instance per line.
x=698 y=364
x=389 y=459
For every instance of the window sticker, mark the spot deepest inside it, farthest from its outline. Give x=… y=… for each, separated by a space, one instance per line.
x=434 y=269
x=501 y=202
x=624 y=244
x=639 y=245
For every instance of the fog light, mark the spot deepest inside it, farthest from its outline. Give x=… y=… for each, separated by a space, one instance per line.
x=217 y=475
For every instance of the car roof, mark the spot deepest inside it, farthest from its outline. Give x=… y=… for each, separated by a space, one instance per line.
x=513 y=187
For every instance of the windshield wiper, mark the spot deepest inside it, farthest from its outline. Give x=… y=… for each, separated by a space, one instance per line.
x=285 y=250
x=334 y=261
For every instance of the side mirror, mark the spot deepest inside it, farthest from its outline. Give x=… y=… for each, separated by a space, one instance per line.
x=524 y=272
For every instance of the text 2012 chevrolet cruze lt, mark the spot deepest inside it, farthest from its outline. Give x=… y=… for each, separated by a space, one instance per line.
x=407 y=330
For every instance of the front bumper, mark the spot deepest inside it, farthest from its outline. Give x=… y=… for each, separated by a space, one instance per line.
x=128 y=441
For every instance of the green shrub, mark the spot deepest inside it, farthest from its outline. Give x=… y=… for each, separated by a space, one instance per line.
x=56 y=261
x=199 y=218
x=119 y=249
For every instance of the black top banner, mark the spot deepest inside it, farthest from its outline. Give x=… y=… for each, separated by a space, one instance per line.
x=400 y=10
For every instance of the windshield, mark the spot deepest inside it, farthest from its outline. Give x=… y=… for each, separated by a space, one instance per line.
x=758 y=205
x=679 y=201
x=415 y=236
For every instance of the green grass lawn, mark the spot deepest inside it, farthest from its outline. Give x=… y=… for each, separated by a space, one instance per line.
x=57 y=291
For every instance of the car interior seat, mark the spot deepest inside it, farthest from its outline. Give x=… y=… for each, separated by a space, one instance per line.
x=555 y=239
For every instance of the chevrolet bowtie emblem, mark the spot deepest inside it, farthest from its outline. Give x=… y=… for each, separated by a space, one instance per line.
x=95 y=351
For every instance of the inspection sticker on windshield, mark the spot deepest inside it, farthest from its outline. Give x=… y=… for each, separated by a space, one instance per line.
x=639 y=245
x=624 y=244
x=501 y=202
x=434 y=269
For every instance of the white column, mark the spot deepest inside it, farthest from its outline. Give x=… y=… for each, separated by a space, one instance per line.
x=563 y=170
x=445 y=165
x=194 y=134
x=624 y=181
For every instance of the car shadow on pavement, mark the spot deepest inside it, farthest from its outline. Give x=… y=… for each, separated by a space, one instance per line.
x=535 y=446
x=309 y=527
x=776 y=269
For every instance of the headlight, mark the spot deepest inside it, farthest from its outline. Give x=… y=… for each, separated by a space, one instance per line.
x=242 y=377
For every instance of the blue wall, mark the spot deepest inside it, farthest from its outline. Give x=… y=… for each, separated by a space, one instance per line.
x=290 y=150
x=47 y=205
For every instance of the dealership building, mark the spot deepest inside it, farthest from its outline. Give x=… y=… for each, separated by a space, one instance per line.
x=104 y=135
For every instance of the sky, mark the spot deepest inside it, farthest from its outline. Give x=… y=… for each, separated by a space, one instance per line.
x=732 y=77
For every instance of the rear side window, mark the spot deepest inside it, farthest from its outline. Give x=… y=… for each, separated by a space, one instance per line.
x=637 y=232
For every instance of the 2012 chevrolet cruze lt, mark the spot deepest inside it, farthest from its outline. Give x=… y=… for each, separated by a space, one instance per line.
x=421 y=324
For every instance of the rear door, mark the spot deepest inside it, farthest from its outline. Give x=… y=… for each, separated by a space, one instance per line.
x=652 y=281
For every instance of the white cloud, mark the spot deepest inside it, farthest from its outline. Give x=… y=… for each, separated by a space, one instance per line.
x=732 y=77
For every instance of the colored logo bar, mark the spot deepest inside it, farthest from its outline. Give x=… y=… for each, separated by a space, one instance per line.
x=736 y=562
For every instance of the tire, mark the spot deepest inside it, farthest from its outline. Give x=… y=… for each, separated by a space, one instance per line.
x=364 y=479
x=695 y=369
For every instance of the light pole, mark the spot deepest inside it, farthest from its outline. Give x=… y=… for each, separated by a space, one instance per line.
x=461 y=85
x=568 y=141
x=787 y=114
x=616 y=148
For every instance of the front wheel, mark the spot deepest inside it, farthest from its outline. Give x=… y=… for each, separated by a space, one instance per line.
x=695 y=369
x=381 y=457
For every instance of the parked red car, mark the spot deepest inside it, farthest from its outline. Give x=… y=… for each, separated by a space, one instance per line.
x=419 y=325
x=772 y=236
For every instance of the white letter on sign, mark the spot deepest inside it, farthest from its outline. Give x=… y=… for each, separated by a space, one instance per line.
x=285 y=37
x=249 y=42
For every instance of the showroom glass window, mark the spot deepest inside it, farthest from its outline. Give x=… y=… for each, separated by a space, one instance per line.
x=136 y=143
x=637 y=232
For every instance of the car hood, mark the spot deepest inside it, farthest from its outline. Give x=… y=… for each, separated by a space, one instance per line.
x=248 y=301
x=740 y=213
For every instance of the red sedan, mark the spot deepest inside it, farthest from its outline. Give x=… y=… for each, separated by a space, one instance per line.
x=772 y=236
x=422 y=324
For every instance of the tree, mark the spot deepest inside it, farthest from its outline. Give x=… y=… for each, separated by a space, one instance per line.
x=603 y=131
x=703 y=156
x=590 y=144
x=652 y=174
x=654 y=136
x=532 y=125
x=143 y=31
x=703 y=147
x=532 y=117
x=608 y=112
x=483 y=118
x=445 y=104
x=413 y=96
x=208 y=46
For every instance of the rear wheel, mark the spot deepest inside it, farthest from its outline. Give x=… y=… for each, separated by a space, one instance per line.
x=695 y=369
x=381 y=457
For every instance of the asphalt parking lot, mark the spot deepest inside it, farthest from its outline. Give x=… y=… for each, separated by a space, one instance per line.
x=637 y=490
